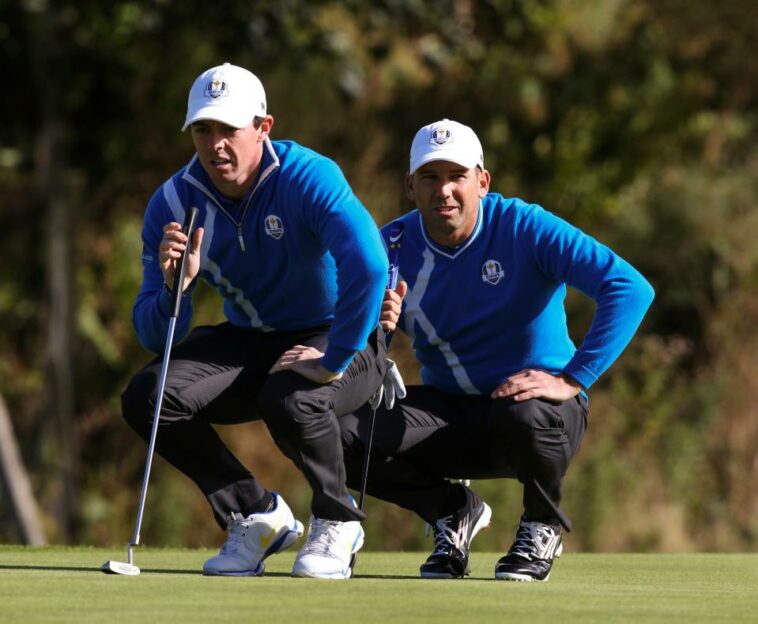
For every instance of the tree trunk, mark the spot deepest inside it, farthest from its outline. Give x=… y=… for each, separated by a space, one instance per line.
x=53 y=196
x=16 y=483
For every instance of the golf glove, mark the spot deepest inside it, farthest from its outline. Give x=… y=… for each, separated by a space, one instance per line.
x=392 y=387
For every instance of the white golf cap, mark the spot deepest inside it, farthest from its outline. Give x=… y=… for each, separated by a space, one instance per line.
x=446 y=140
x=227 y=93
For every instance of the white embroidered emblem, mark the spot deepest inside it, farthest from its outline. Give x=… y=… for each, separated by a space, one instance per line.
x=216 y=88
x=492 y=272
x=273 y=226
x=441 y=136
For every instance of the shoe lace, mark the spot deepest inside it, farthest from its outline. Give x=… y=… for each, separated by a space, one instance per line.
x=446 y=535
x=321 y=535
x=237 y=530
x=534 y=540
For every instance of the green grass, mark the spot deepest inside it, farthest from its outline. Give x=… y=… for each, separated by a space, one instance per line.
x=65 y=585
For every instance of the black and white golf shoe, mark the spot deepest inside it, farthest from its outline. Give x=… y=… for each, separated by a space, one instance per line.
x=452 y=538
x=531 y=556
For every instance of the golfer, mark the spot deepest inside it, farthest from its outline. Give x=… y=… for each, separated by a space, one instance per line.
x=300 y=267
x=483 y=283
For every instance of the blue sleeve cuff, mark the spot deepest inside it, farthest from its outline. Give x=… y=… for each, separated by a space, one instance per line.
x=580 y=374
x=164 y=300
x=337 y=359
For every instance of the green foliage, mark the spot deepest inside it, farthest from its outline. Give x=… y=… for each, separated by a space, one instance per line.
x=635 y=119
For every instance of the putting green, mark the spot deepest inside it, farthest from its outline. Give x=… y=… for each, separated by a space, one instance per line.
x=58 y=584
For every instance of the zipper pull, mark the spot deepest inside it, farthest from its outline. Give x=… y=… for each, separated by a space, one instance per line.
x=239 y=237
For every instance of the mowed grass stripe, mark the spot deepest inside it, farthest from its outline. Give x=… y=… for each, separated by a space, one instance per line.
x=65 y=585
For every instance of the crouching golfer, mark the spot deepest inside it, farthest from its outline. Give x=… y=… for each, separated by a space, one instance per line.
x=301 y=269
x=504 y=387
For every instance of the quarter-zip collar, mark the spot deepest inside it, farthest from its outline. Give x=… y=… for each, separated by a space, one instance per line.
x=195 y=175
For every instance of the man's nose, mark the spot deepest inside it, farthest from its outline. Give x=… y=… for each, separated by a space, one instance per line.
x=444 y=188
x=216 y=140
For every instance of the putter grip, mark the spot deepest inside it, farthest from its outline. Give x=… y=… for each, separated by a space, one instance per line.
x=176 y=292
x=392 y=276
x=395 y=240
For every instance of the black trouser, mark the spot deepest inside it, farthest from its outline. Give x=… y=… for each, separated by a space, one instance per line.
x=431 y=436
x=219 y=374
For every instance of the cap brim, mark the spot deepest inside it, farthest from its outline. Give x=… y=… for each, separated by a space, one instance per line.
x=442 y=155
x=218 y=113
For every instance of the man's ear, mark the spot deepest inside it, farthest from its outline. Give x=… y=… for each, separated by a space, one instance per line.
x=265 y=127
x=410 y=193
x=484 y=183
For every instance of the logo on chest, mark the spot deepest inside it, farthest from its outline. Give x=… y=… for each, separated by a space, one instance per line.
x=273 y=226
x=492 y=272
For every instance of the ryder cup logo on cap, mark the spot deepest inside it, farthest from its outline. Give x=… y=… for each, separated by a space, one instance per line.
x=227 y=93
x=446 y=140
x=440 y=136
x=216 y=88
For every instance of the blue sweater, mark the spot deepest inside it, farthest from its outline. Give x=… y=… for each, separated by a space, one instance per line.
x=299 y=251
x=494 y=305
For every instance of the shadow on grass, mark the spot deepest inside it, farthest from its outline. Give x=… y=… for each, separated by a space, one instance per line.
x=54 y=568
x=408 y=577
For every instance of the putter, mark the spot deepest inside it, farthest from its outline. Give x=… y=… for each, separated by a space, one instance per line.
x=396 y=233
x=128 y=568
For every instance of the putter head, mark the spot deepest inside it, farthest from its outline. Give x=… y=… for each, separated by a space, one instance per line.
x=119 y=567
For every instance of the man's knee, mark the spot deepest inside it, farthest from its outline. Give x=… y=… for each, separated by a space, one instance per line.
x=283 y=400
x=137 y=398
x=533 y=436
x=513 y=416
x=529 y=425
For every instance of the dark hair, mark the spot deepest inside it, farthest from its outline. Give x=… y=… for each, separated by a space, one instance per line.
x=257 y=121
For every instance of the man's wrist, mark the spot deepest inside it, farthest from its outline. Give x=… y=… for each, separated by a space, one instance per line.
x=568 y=379
x=326 y=374
x=170 y=290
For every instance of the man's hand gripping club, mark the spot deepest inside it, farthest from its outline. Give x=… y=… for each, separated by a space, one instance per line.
x=170 y=251
x=392 y=386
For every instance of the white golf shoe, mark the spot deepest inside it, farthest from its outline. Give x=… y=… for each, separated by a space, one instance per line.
x=254 y=538
x=328 y=549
